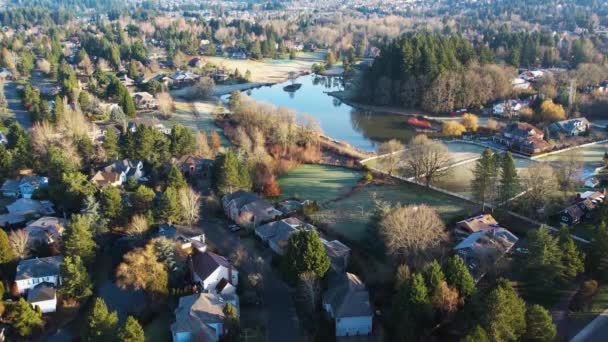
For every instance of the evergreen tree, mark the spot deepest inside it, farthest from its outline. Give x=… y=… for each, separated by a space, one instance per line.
x=305 y=253
x=111 y=203
x=175 y=179
x=58 y=111
x=76 y=282
x=110 y=145
x=131 y=331
x=419 y=305
x=72 y=190
x=483 y=181
x=182 y=141
x=19 y=144
x=126 y=103
x=543 y=268
x=78 y=238
x=504 y=314
x=6 y=252
x=6 y=162
x=169 y=210
x=245 y=181
x=478 y=334
x=598 y=260
x=433 y=275
x=228 y=179
x=26 y=319
x=457 y=275
x=100 y=323
x=142 y=199
x=539 y=325
x=572 y=259
x=509 y=180
x=99 y=225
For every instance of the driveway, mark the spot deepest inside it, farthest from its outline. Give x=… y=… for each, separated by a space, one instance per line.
x=283 y=324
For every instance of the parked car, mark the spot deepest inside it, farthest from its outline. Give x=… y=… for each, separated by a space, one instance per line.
x=234 y=228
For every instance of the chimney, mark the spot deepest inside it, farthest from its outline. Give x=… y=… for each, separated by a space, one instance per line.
x=230 y=272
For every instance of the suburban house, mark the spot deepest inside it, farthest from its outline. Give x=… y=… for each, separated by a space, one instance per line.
x=148 y=122
x=477 y=223
x=571 y=127
x=508 y=108
x=519 y=83
x=347 y=302
x=482 y=249
x=32 y=272
x=144 y=100
x=338 y=254
x=44 y=296
x=200 y=317
x=214 y=273
x=583 y=208
x=5 y=74
x=124 y=79
x=45 y=230
x=196 y=62
x=523 y=137
x=184 y=236
x=23 y=187
x=118 y=172
x=276 y=234
x=192 y=165
x=21 y=209
x=248 y=210
x=183 y=78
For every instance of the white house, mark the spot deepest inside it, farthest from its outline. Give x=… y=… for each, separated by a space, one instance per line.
x=200 y=317
x=43 y=295
x=347 y=302
x=23 y=187
x=214 y=273
x=32 y=272
x=118 y=172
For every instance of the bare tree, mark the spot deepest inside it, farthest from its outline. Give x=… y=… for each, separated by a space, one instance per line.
x=190 y=203
x=427 y=160
x=19 y=243
x=44 y=66
x=445 y=299
x=540 y=181
x=389 y=149
x=165 y=104
x=203 y=89
x=569 y=170
x=413 y=234
x=309 y=291
x=138 y=226
x=202 y=145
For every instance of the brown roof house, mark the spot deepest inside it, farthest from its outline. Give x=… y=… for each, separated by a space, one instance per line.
x=477 y=223
x=45 y=230
x=144 y=100
x=118 y=172
x=523 y=137
x=214 y=273
x=248 y=210
x=347 y=302
x=192 y=165
x=200 y=317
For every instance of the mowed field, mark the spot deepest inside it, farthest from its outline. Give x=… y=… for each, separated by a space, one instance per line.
x=318 y=182
x=270 y=70
x=350 y=216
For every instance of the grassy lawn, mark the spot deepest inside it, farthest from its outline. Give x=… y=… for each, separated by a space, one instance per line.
x=350 y=216
x=318 y=182
x=599 y=303
x=585 y=230
x=159 y=329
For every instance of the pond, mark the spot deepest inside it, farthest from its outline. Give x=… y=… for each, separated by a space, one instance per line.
x=362 y=129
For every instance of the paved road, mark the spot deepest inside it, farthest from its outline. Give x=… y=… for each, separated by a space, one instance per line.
x=14 y=104
x=597 y=330
x=283 y=324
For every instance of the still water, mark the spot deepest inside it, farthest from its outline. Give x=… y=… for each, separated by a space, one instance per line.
x=362 y=129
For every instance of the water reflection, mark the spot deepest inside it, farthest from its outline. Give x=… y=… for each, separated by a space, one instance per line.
x=362 y=129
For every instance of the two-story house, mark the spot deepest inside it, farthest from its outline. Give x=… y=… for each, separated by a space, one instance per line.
x=214 y=273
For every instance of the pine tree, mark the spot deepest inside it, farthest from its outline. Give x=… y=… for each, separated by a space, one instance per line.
x=78 y=238
x=6 y=162
x=539 y=325
x=26 y=319
x=169 y=210
x=509 y=180
x=483 y=181
x=110 y=145
x=131 y=331
x=433 y=275
x=572 y=259
x=305 y=253
x=228 y=177
x=182 y=141
x=598 y=259
x=175 y=179
x=543 y=267
x=142 y=199
x=245 y=181
x=478 y=334
x=100 y=323
x=504 y=314
x=419 y=305
x=76 y=282
x=6 y=252
x=111 y=203
x=457 y=275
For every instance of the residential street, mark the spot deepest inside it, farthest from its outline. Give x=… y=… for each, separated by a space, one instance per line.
x=282 y=324
x=14 y=104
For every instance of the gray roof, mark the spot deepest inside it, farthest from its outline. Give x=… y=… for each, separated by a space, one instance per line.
x=269 y=230
x=196 y=311
x=41 y=292
x=240 y=198
x=206 y=263
x=119 y=165
x=10 y=185
x=348 y=296
x=38 y=267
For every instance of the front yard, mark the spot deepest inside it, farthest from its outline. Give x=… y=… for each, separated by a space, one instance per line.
x=318 y=182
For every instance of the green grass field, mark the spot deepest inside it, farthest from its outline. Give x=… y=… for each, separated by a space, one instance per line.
x=350 y=216
x=318 y=182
